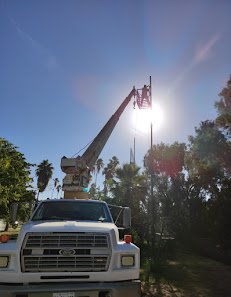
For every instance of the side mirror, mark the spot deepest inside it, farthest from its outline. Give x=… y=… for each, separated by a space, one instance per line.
x=26 y=208
x=126 y=217
x=117 y=212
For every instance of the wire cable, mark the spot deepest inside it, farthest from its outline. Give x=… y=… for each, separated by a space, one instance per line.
x=83 y=148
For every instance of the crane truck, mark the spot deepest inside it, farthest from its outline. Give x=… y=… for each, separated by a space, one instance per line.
x=71 y=247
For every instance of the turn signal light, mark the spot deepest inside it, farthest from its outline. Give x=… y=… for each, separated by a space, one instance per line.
x=128 y=238
x=4 y=238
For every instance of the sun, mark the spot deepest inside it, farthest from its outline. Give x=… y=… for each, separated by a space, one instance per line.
x=144 y=118
x=157 y=116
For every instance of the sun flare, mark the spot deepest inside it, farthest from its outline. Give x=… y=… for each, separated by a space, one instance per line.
x=144 y=118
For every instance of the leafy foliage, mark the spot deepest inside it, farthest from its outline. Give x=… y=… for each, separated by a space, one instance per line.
x=99 y=165
x=211 y=147
x=165 y=160
x=56 y=186
x=165 y=163
x=224 y=107
x=129 y=188
x=109 y=171
x=15 y=178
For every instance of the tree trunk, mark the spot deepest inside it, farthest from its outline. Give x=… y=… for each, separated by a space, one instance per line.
x=37 y=196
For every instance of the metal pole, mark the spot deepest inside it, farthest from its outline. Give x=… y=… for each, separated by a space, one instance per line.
x=151 y=108
x=151 y=134
x=152 y=204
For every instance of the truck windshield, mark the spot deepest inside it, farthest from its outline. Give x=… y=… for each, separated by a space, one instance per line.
x=72 y=211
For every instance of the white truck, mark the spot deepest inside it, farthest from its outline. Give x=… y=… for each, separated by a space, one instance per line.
x=70 y=247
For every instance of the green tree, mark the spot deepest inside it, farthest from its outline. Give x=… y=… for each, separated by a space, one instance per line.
x=224 y=107
x=209 y=179
x=56 y=182
x=92 y=191
x=114 y=161
x=109 y=171
x=99 y=166
x=210 y=148
x=165 y=163
x=15 y=180
x=58 y=188
x=129 y=188
x=44 y=173
x=167 y=160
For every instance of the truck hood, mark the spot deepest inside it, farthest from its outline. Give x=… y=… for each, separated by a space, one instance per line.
x=68 y=226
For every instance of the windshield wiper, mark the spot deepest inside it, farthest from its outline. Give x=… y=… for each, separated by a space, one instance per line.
x=101 y=219
x=51 y=219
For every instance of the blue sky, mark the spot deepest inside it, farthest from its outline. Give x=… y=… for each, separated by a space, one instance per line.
x=65 y=67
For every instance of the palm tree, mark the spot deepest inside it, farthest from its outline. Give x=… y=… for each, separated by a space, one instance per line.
x=114 y=161
x=58 y=188
x=109 y=171
x=56 y=181
x=99 y=166
x=44 y=173
x=130 y=188
x=132 y=184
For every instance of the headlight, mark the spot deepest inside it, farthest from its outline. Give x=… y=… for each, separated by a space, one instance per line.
x=4 y=261
x=127 y=261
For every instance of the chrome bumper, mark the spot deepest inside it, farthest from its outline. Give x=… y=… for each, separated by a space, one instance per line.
x=112 y=289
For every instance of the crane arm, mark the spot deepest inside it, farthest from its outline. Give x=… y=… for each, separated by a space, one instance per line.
x=78 y=169
x=94 y=150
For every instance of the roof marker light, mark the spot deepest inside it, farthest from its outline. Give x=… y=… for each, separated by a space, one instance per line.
x=128 y=238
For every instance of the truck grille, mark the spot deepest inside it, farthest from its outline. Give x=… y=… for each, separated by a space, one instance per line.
x=89 y=263
x=83 y=252
x=78 y=240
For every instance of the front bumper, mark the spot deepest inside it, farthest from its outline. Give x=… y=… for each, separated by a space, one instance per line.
x=110 y=289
